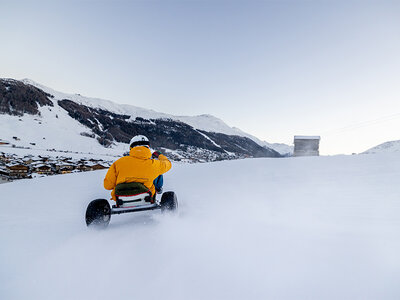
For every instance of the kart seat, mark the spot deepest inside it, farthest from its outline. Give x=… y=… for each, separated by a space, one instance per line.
x=130 y=194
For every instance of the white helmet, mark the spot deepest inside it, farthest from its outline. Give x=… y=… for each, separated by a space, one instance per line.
x=139 y=140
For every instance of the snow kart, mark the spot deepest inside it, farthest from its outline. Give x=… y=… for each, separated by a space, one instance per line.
x=131 y=197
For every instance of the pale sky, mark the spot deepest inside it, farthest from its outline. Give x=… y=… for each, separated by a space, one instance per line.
x=274 y=69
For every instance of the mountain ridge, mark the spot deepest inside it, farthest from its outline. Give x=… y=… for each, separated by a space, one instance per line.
x=111 y=125
x=206 y=122
x=136 y=111
x=386 y=147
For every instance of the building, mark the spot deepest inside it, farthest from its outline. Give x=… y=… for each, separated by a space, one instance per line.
x=98 y=167
x=83 y=167
x=18 y=170
x=306 y=145
x=4 y=158
x=4 y=174
x=43 y=169
x=3 y=143
x=65 y=167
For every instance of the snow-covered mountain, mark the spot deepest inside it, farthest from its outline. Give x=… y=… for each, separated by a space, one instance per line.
x=388 y=147
x=204 y=122
x=283 y=149
x=36 y=116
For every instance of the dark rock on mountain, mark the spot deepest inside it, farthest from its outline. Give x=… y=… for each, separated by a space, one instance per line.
x=17 y=98
x=243 y=145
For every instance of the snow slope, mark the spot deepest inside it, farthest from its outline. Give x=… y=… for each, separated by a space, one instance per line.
x=55 y=129
x=203 y=122
x=388 y=147
x=297 y=228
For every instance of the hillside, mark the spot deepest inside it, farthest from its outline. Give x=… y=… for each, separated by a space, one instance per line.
x=313 y=228
x=388 y=147
x=92 y=125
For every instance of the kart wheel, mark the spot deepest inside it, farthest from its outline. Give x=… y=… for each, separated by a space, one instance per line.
x=98 y=213
x=169 y=202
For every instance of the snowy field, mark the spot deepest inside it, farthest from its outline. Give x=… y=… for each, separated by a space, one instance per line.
x=294 y=228
x=111 y=156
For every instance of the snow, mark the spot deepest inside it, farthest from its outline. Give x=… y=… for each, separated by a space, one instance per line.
x=20 y=152
x=208 y=138
x=280 y=148
x=210 y=123
x=203 y=122
x=388 y=147
x=54 y=129
x=307 y=137
x=292 y=228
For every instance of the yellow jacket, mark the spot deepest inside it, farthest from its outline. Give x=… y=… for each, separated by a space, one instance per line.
x=137 y=167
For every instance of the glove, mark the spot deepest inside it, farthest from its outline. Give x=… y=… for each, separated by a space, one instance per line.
x=156 y=154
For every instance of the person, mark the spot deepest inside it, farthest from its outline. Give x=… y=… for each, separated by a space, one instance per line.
x=140 y=166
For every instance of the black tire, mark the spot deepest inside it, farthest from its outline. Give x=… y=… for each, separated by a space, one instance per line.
x=98 y=213
x=169 y=202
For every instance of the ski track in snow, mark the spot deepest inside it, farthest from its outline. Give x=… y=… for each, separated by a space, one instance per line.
x=293 y=228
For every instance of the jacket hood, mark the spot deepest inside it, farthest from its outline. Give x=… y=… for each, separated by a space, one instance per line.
x=140 y=152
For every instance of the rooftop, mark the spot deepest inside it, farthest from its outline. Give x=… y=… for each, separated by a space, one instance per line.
x=307 y=137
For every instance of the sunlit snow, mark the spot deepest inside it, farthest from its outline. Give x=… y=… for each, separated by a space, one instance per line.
x=293 y=228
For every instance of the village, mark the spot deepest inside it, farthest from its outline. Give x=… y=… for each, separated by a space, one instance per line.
x=14 y=167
